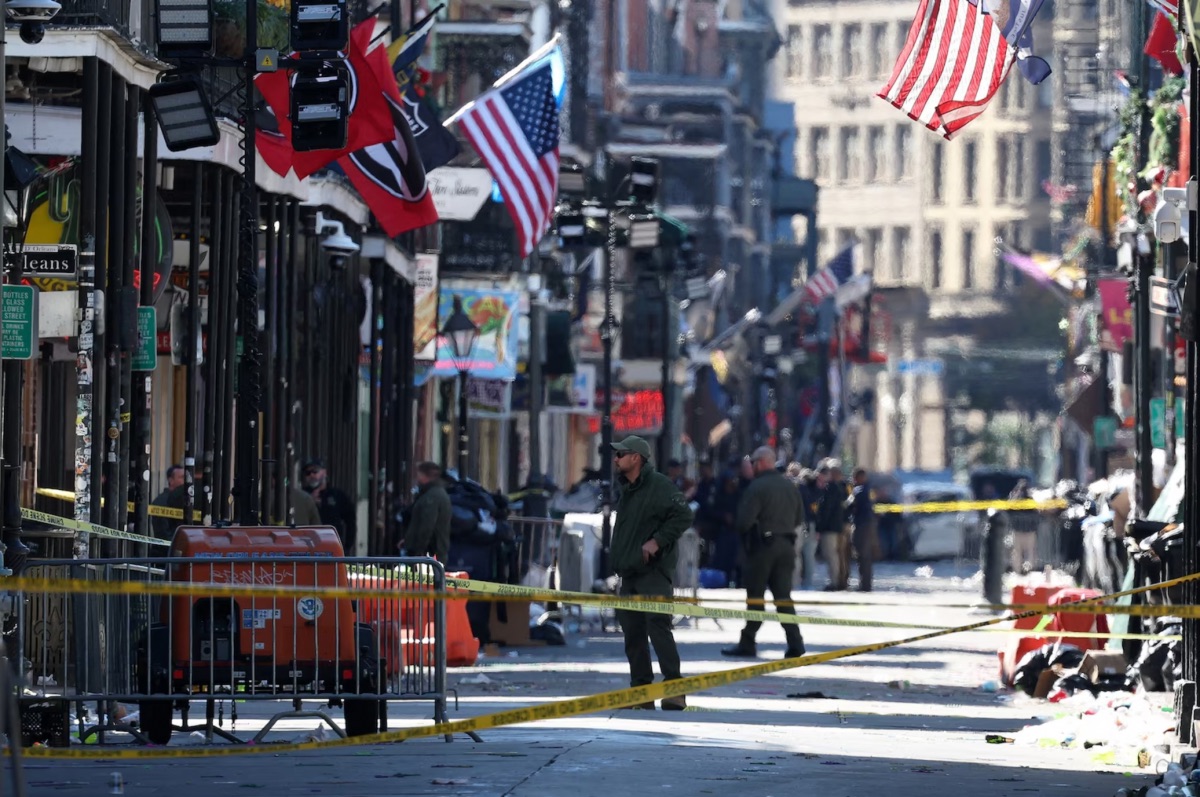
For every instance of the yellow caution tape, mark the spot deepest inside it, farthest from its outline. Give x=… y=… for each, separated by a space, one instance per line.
x=154 y=509
x=558 y=709
x=1024 y=504
x=91 y=528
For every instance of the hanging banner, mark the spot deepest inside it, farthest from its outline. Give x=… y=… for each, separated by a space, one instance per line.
x=425 y=307
x=494 y=312
x=1116 y=316
x=488 y=398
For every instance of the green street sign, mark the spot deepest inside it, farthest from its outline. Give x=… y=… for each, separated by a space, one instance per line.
x=1104 y=432
x=1158 y=422
x=20 y=322
x=146 y=356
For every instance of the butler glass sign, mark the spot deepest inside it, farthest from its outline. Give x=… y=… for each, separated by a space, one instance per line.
x=494 y=312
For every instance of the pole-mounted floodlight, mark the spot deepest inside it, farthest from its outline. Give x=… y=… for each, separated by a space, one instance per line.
x=320 y=110
x=319 y=25
x=184 y=113
x=184 y=27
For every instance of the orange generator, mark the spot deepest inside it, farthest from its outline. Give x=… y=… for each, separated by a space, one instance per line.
x=289 y=645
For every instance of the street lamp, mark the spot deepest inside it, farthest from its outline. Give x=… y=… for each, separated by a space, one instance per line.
x=462 y=333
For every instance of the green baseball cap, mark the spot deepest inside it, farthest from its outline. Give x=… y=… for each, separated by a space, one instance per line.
x=635 y=444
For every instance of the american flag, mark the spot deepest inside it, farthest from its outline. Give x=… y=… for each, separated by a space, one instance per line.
x=514 y=128
x=953 y=62
x=836 y=273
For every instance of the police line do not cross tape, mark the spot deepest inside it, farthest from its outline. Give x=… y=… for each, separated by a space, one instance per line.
x=559 y=709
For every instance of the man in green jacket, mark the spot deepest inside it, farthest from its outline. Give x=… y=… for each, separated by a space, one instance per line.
x=769 y=516
x=428 y=530
x=651 y=516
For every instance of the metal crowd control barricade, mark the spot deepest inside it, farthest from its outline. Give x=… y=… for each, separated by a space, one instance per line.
x=169 y=652
x=537 y=550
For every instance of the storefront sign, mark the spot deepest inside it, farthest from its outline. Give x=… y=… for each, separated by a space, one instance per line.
x=488 y=398
x=494 y=312
x=458 y=194
x=1116 y=314
x=572 y=393
x=425 y=307
x=634 y=412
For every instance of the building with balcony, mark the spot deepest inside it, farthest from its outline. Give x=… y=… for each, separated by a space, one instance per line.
x=166 y=229
x=927 y=213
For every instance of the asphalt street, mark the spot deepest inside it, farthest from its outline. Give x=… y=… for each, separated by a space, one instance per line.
x=907 y=721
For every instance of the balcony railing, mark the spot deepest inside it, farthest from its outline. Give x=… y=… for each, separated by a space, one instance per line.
x=130 y=18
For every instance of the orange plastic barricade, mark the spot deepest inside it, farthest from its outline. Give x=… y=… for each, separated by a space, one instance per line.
x=462 y=648
x=383 y=615
x=1016 y=647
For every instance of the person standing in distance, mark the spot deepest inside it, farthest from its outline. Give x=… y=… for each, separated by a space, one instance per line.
x=651 y=517
x=769 y=519
x=428 y=530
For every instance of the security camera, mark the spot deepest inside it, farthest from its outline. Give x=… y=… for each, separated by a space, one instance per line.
x=33 y=16
x=1167 y=218
x=335 y=240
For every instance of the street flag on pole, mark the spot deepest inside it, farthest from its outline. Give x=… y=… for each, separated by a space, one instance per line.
x=437 y=145
x=957 y=55
x=514 y=128
x=389 y=175
x=836 y=273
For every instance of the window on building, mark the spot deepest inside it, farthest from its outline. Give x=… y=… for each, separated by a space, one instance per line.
x=822 y=51
x=842 y=238
x=970 y=159
x=850 y=154
x=1019 y=169
x=872 y=243
x=937 y=166
x=852 y=51
x=968 y=259
x=876 y=155
x=901 y=256
x=822 y=244
x=1043 y=161
x=880 y=63
x=1002 y=170
x=935 y=259
x=1019 y=89
x=1008 y=234
x=901 y=32
x=904 y=151
x=818 y=154
x=794 y=67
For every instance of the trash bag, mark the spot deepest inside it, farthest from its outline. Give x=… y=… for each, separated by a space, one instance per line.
x=1157 y=663
x=1032 y=664
x=1075 y=682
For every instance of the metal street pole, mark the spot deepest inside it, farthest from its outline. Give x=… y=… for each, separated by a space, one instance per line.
x=142 y=405
x=607 y=331
x=1143 y=267
x=249 y=374
x=537 y=322
x=1188 y=318
x=463 y=440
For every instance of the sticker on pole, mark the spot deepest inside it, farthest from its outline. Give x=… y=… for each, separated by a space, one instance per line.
x=309 y=608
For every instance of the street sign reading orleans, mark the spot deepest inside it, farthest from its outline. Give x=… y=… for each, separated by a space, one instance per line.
x=45 y=260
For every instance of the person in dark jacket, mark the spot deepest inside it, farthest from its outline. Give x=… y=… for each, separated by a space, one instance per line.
x=336 y=508
x=831 y=517
x=862 y=517
x=769 y=518
x=164 y=527
x=427 y=532
x=651 y=517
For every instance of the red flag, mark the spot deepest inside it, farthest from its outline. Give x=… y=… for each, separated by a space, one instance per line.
x=953 y=62
x=1161 y=44
x=370 y=119
x=390 y=176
